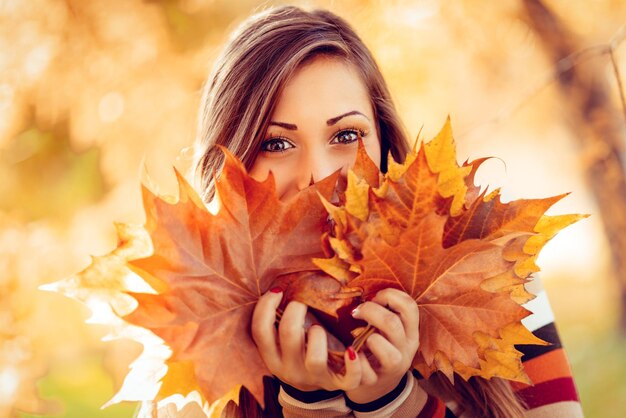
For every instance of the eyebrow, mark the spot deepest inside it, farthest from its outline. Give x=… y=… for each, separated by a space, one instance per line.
x=329 y=122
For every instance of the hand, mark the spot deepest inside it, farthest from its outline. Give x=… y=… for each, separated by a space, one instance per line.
x=303 y=366
x=396 y=316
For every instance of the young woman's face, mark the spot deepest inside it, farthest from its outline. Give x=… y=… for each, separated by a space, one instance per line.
x=314 y=129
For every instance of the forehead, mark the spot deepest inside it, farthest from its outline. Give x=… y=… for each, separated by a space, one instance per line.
x=326 y=85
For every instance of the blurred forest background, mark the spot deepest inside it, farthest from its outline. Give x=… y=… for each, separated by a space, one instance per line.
x=91 y=91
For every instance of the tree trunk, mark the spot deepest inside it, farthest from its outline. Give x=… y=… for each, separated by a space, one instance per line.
x=597 y=125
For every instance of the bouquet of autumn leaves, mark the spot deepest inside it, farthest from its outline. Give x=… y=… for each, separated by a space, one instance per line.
x=192 y=278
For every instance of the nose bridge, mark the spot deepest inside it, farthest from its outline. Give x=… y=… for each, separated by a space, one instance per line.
x=317 y=164
x=322 y=163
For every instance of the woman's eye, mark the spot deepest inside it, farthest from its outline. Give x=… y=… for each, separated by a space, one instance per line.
x=276 y=145
x=347 y=136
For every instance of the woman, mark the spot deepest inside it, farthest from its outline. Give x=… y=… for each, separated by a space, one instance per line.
x=291 y=93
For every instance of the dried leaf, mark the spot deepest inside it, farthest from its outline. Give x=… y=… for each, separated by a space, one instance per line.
x=214 y=268
x=463 y=256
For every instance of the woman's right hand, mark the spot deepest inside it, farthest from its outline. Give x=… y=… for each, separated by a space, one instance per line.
x=303 y=366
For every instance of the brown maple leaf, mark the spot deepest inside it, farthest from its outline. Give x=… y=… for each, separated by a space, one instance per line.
x=446 y=284
x=211 y=269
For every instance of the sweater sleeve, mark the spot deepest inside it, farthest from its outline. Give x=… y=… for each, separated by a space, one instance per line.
x=328 y=408
x=408 y=401
x=553 y=393
x=412 y=401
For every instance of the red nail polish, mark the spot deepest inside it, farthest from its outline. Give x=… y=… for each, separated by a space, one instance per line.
x=351 y=353
x=276 y=290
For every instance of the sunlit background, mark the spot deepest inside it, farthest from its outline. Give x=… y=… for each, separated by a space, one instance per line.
x=94 y=93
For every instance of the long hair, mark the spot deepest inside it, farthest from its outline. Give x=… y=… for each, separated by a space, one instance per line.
x=243 y=89
x=238 y=100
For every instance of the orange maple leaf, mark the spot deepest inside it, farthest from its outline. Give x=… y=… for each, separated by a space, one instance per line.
x=209 y=271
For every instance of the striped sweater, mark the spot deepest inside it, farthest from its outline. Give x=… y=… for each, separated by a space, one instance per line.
x=553 y=393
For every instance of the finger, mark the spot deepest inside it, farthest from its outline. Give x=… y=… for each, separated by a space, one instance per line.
x=368 y=375
x=386 y=321
x=291 y=332
x=263 y=330
x=316 y=357
x=352 y=378
x=405 y=306
x=389 y=357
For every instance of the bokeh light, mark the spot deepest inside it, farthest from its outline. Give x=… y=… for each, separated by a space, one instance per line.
x=94 y=93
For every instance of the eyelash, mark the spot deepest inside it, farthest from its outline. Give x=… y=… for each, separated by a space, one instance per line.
x=360 y=132
x=275 y=139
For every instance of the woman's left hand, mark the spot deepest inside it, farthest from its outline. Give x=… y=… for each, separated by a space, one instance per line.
x=395 y=315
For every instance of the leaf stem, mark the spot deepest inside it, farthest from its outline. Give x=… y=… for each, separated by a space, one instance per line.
x=362 y=337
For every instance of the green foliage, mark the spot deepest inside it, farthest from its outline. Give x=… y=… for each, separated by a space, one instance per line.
x=82 y=385
x=43 y=177
x=599 y=365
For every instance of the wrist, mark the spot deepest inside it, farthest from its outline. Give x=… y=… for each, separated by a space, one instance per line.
x=309 y=394
x=370 y=400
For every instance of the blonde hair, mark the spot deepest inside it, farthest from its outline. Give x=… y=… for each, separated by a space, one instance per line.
x=238 y=100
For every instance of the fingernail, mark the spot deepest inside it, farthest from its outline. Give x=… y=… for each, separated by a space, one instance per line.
x=276 y=289
x=355 y=311
x=351 y=353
